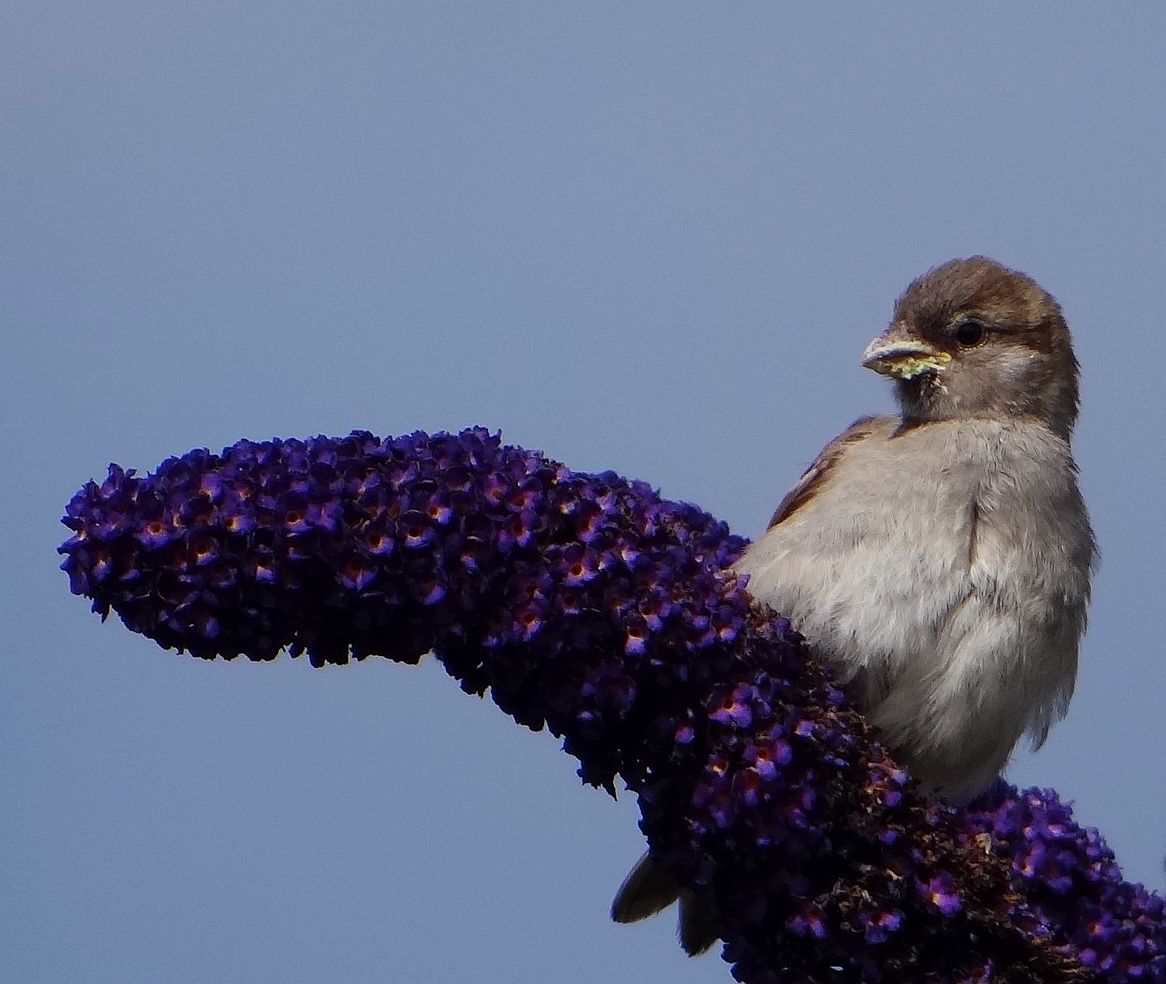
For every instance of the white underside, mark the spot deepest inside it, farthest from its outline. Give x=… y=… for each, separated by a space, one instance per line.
x=944 y=572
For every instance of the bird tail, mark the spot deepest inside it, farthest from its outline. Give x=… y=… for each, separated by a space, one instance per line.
x=649 y=889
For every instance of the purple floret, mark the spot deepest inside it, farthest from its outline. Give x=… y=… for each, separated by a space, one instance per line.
x=588 y=605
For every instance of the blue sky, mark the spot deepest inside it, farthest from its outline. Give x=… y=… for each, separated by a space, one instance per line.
x=650 y=237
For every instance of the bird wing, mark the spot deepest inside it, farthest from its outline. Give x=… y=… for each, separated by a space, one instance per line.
x=829 y=456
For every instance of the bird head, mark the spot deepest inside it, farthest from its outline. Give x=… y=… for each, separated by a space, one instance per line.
x=972 y=338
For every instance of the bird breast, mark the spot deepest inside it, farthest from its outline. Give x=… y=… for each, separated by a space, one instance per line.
x=943 y=570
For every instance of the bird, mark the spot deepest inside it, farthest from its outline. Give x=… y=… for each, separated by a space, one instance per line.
x=939 y=560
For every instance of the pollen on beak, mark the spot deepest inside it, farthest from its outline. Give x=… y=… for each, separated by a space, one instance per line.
x=903 y=358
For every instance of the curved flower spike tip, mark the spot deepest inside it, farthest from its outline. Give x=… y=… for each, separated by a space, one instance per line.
x=588 y=605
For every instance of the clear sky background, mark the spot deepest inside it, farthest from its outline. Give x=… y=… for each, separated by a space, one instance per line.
x=649 y=237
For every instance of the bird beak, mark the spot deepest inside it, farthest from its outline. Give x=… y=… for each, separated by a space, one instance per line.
x=895 y=354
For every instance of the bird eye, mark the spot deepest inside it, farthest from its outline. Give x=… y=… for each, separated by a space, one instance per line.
x=969 y=333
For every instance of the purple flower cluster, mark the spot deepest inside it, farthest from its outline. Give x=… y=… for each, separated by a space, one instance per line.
x=1071 y=882
x=588 y=605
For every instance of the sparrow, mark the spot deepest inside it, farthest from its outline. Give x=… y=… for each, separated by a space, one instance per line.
x=939 y=560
